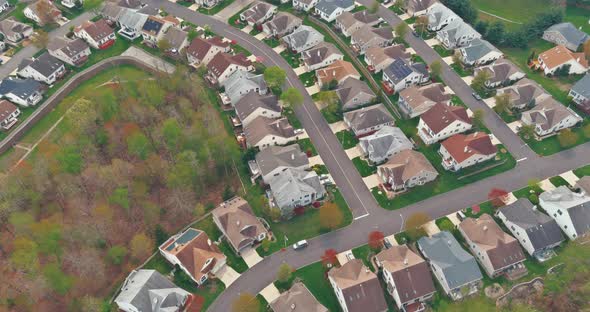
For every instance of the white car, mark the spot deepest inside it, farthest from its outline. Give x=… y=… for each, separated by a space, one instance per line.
x=300 y=245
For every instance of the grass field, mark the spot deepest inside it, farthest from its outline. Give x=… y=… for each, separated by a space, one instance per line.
x=516 y=10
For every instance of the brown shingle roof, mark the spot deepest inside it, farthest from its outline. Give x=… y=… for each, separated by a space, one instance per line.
x=360 y=287
x=502 y=249
x=6 y=109
x=409 y=271
x=559 y=55
x=297 y=299
x=416 y=96
x=239 y=223
x=221 y=61
x=338 y=71
x=262 y=126
x=463 y=146
x=199 y=47
x=97 y=30
x=441 y=115
x=405 y=165
x=378 y=54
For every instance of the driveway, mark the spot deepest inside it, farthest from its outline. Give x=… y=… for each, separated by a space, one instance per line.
x=570 y=177
x=354 y=152
x=431 y=228
x=338 y=126
x=270 y=293
x=251 y=257
x=546 y=185
x=232 y=9
x=372 y=181
x=316 y=160
x=227 y=275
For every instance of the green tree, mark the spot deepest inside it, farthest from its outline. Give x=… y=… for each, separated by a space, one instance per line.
x=275 y=76
x=534 y=184
x=414 y=224
x=567 y=138
x=421 y=24
x=24 y=255
x=141 y=246
x=586 y=49
x=374 y=7
x=70 y=160
x=199 y=210
x=527 y=131
x=40 y=39
x=495 y=33
x=284 y=273
x=138 y=145
x=117 y=254
x=586 y=130
x=457 y=58
x=57 y=279
x=245 y=303
x=266 y=244
x=436 y=68
x=172 y=134
x=120 y=197
x=401 y=30
x=479 y=82
x=478 y=117
x=47 y=233
x=292 y=97
x=21 y=222
x=502 y=103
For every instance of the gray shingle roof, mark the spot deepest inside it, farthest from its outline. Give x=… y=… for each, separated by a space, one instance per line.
x=280 y=156
x=319 y=53
x=576 y=205
x=45 y=64
x=70 y=48
x=478 y=49
x=252 y=101
x=23 y=88
x=541 y=229
x=291 y=183
x=458 y=266
x=329 y=6
x=150 y=291
x=582 y=87
x=350 y=88
x=368 y=117
x=572 y=34
x=301 y=36
x=386 y=140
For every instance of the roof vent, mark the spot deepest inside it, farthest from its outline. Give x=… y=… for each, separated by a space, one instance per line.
x=405 y=261
x=292 y=306
x=485 y=227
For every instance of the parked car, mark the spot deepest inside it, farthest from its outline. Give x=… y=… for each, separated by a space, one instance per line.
x=460 y=215
x=300 y=245
x=476 y=96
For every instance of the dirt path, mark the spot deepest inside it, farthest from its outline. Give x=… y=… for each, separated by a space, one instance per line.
x=499 y=17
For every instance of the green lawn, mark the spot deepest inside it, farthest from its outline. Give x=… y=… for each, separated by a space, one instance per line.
x=304 y=226
x=515 y=10
x=551 y=145
x=578 y=17
x=314 y=276
x=308 y=78
x=558 y=181
x=463 y=72
x=364 y=253
x=363 y=167
x=442 y=51
x=444 y=224
x=216 y=9
x=584 y=171
x=332 y=115
x=347 y=139
x=271 y=42
x=293 y=59
x=525 y=192
x=293 y=120
x=307 y=147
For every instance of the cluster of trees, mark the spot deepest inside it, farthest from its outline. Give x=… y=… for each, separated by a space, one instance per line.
x=83 y=210
x=497 y=34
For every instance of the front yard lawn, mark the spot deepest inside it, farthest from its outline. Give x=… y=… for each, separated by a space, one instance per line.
x=444 y=224
x=442 y=51
x=347 y=139
x=271 y=42
x=558 y=181
x=291 y=58
x=293 y=120
x=308 y=78
x=307 y=147
x=551 y=145
x=216 y=9
x=463 y=72
x=581 y=172
x=332 y=114
x=363 y=167
x=314 y=276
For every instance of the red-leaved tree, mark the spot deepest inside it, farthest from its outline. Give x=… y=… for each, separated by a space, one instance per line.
x=497 y=197
x=376 y=240
x=329 y=257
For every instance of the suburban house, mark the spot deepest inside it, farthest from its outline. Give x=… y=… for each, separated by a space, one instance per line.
x=74 y=52
x=378 y=58
x=329 y=10
x=111 y=11
x=405 y=170
x=349 y=22
x=369 y=37
x=202 y=51
x=320 y=56
x=293 y=188
x=131 y=24
x=454 y=268
x=566 y=34
x=555 y=58
x=8 y=114
x=501 y=73
x=4 y=5
x=570 y=210
x=415 y=101
x=37 y=11
x=304 y=5
x=44 y=68
x=150 y=291
x=282 y=24
x=583 y=185
x=224 y=65
x=465 y=150
x=479 y=52
x=207 y=4
x=153 y=29
x=253 y=105
x=401 y=74
x=258 y=13
x=194 y=253
x=497 y=252
x=14 y=31
x=176 y=38
x=238 y=223
x=276 y=159
x=130 y=4
x=550 y=116
x=457 y=34
x=303 y=38
x=24 y=92
x=442 y=121
x=297 y=299
x=263 y=132
x=525 y=93
x=418 y=7
x=336 y=73
x=538 y=233
x=439 y=16
x=580 y=92
x=98 y=35
x=367 y=120
x=241 y=83
x=383 y=144
x=357 y=288
x=407 y=277
x=71 y=3
x=354 y=93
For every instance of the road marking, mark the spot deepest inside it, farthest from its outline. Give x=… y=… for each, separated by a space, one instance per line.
x=246 y=38
x=360 y=217
x=522 y=159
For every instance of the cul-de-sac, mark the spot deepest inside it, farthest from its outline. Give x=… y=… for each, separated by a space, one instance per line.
x=294 y=155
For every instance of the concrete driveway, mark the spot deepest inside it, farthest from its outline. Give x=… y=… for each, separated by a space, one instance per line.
x=490 y=102
x=300 y=70
x=270 y=293
x=510 y=198
x=344 y=257
x=313 y=89
x=354 y=152
x=232 y=9
x=448 y=60
x=279 y=49
x=372 y=181
x=432 y=42
x=546 y=185
x=227 y=275
x=467 y=79
x=570 y=177
x=515 y=125
x=448 y=90
x=316 y=160
x=431 y=228
x=338 y=126
x=251 y=257
x=453 y=218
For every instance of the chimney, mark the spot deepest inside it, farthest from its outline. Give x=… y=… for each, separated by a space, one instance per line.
x=465 y=149
x=485 y=227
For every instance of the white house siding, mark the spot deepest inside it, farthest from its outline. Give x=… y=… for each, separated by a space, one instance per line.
x=473 y=160
x=302 y=6
x=563 y=219
x=339 y=294
x=454 y=128
x=260 y=112
x=518 y=233
x=480 y=255
x=329 y=60
x=271 y=140
x=29 y=72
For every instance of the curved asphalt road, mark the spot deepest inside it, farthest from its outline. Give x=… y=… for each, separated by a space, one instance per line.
x=349 y=181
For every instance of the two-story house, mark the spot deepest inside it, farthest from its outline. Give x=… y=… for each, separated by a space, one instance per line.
x=401 y=74
x=557 y=57
x=439 y=16
x=14 y=31
x=320 y=56
x=525 y=93
x=8 y=114
x=354 y=93
x=303 y=38
x=357 y=288
x=405 y=170
x=571 y=210
x=442 y=121
x=479 y=52
x=465 y=150
x=415 y=101
x=457 y=34
x=223 y=65
x=550 y=116
x=348 y=23
x=282 y=24
x=272 y=161
x=44 y=68
x=201 y=50
x=98 y=35
x=254 y=105
x=24 y=92
x=293 y=188
x=367 y=120
x=240 y=83
x=329 y=10
x=501 y=73
x=368 y=37
x=383 y=144
x=258 y=13
x=263 y=132
x=378 y=58
x=74 y=52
